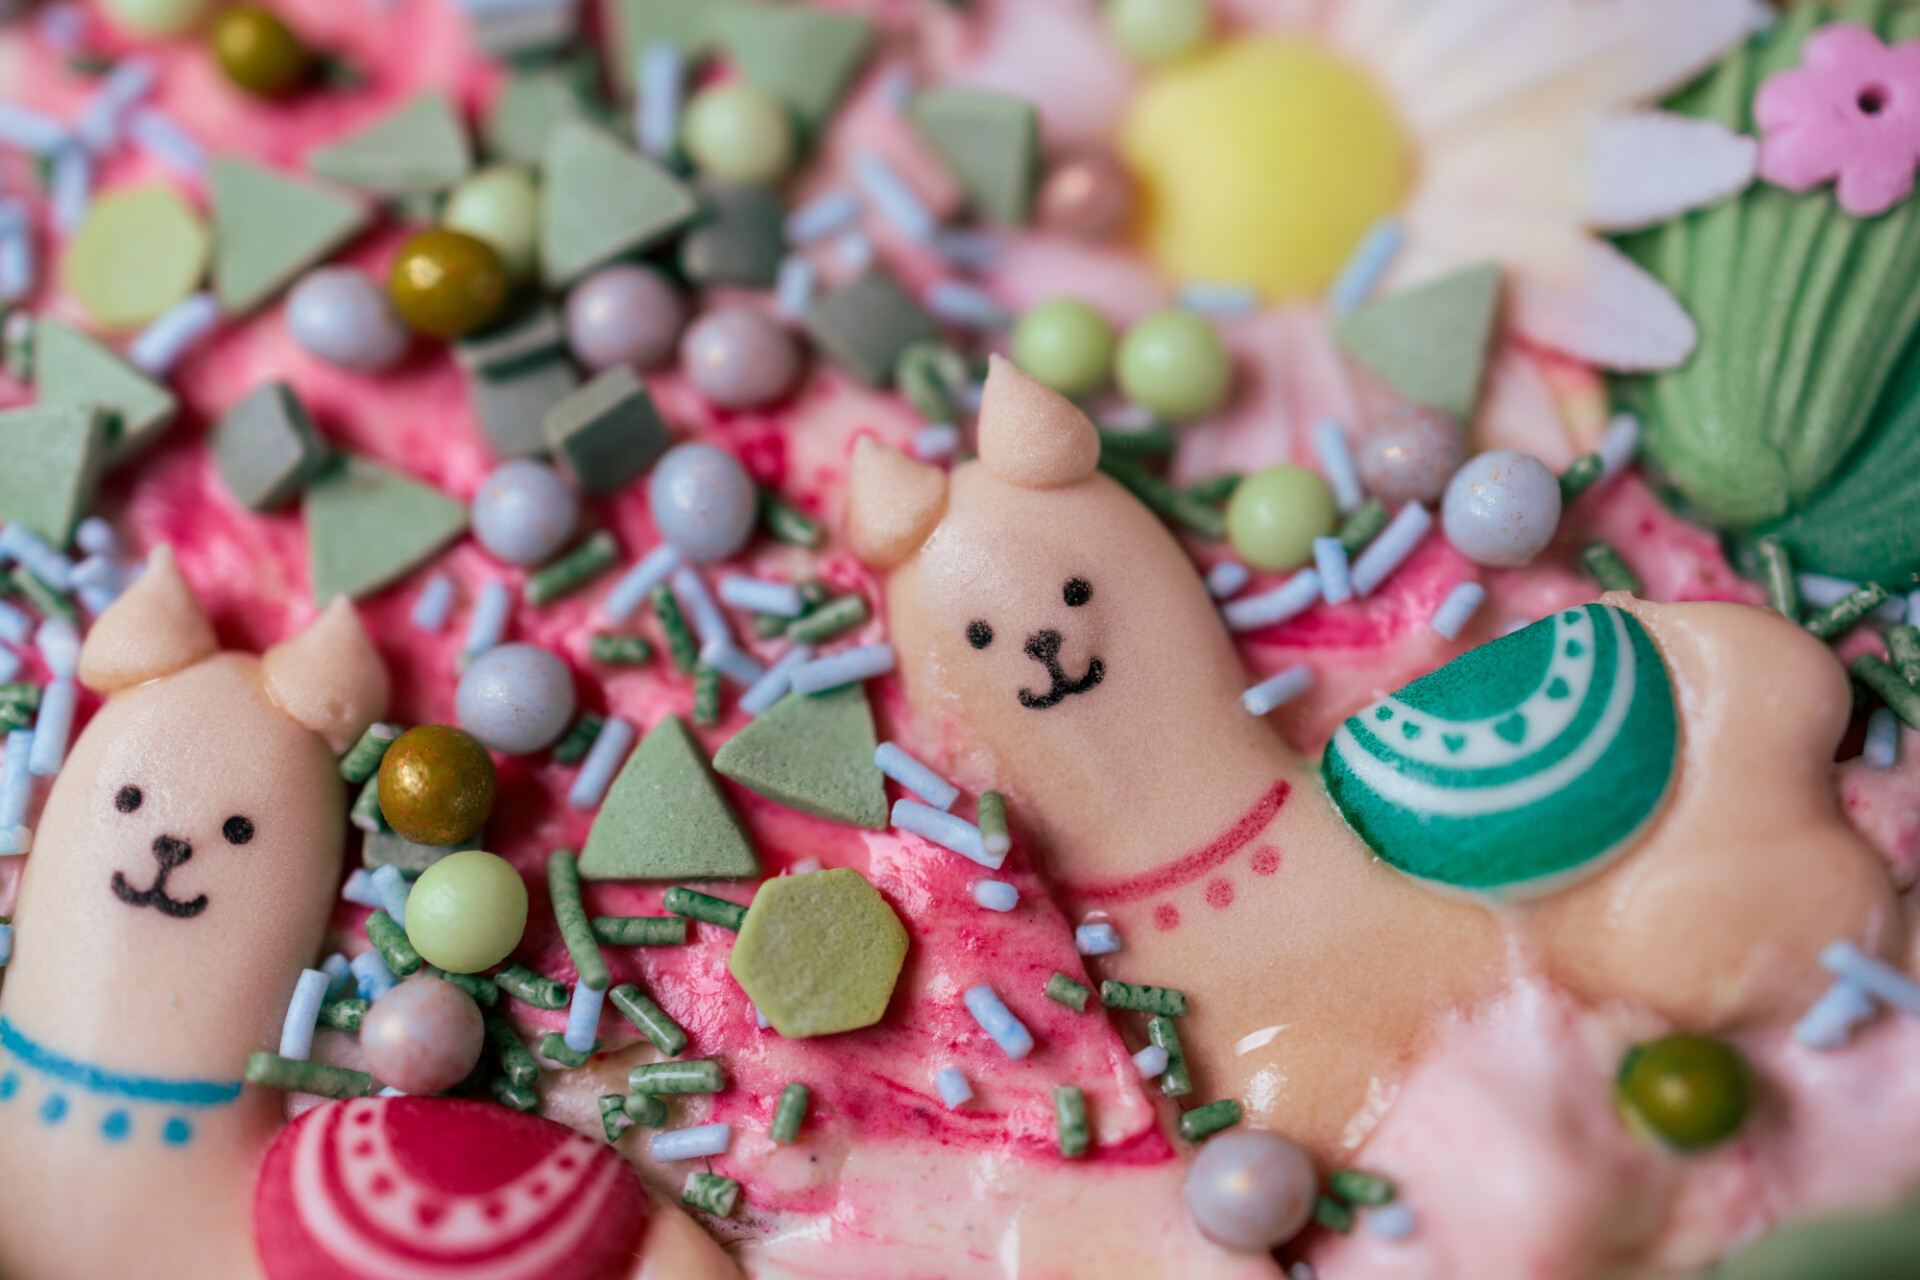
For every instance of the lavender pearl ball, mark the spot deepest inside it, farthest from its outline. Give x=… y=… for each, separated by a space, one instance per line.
x=703 y=501
x=340 y=315
x=525 y=512
x=1412 y=456
x=1251 y=1190
x=624 y=314
x=423 y=1036
x=738 y=358
x=1502 y=508
x=515 y=698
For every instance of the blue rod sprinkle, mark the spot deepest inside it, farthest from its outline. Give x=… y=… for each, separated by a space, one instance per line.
x=820 y=217
x=708 y=622
x=915 y=776
x=70 y=191
x=892 y=198
x=967 y=306
x=951 y=1084
x=854 y=252
x=1096 y=939
x=731 y=661
x=773 y=686
x=58 y=641
x=24 y=129
x=1876 y=977
x=296 y=1032
x=1618 y=445
x=998 y=1021
x=434 y=605
x=1270 y=693
x=361 y=891
x=159 y=347
x=936 y=442
x=944 y=829
x=167 y=142
x=98 y=127
x=488 y=624
x=16 y=794
x=46 y=561
x=1151 y=1061
x=9 y=665
x=6 y=945
x=1882 y=750
x=793 y=287
x=1458 y=609
x=756 y=595
x=15 y=626
x=1376 y=252
x=1219 y=299
x=583 y=1018
x=339 y=976
x=1228 y=579
x=691 y=1143
x=1330 y=562
x=604 y=758
x=52 y=727
x=638 y=583
x=1829 y=1022
x=849 y=666
x=968 y=250
x=97 y=537
x=1336 y=460
x=995 y=895
x=393 y=891
x=659 y=76
x=1388 y=551
x=370 y=972
x=1288 y=600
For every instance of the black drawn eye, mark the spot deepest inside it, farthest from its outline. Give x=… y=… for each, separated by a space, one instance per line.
x=128 y=799
x=979 y=634
x=1077 y=592
x=237 y=830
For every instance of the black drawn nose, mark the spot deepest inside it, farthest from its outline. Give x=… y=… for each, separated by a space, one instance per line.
x=1044 y=646
x=171 y=852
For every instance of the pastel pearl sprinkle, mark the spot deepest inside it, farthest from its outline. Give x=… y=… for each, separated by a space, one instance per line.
x=846 y=667
x=1391 y=549
x=639 y=582
x=1829 y=1022
x=774 y=684
x=296 y=1032
x=393 y=891
x=603 y=760
x=1330 y=562
x=1096 y=939
x=1270 y=608
x=1150 y=1061
x=894 y=762
x=691 y=1143
x=1228 y=579
x=781 y=599
x=944 y=829
x=434 y=605
x=1458 y=609
x=1336 y=461
x=1882 y=749
x=952 y=1086
x=995 y=895
x=998 y=1021
x=1277 y=690
x=583 y=1017
x=1845 y=960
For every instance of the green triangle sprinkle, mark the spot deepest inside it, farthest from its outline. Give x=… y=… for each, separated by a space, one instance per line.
x=268 y=229
x=421 y=147
x=1430 y=342
x=813 y=754
x=71 y=368
x=665 y=818
x=990 y=142
x=368 y=525
x=601 y=199
x=53 y=454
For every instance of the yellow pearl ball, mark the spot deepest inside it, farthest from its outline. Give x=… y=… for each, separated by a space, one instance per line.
x=1263 y=162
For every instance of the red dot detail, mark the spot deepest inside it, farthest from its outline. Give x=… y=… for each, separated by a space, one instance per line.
x=380 y=1185
x=363 y=1148
x=1166 y=916
x=1219 y=894
x=1266 y=860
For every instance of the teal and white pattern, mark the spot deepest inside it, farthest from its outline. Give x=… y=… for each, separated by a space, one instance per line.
x=1519 y=766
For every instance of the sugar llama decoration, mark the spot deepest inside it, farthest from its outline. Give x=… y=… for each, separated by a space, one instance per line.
x=1635 y=794
x=184 y=871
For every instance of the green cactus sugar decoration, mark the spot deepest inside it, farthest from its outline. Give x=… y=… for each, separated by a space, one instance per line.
x=1800 y=414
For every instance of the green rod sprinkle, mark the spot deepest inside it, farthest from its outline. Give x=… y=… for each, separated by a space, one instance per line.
x=1203 y=1122
x=1064 y=990
x=1070 y=1120
x=554 y=1048
x=1333 y=1215
x=390 y=940
x=21 y=693
x=510 y=1094
x=614 y=1120
x=711 y=1193
x=619 y=649
x=792 y=1109
x=574 y=570
x=829 y=620
x=1885 y=681
x=1174 y=1081
x=705 y=908
x=1604 y=565
x=366 y=807
x=1776 y=566
x=519 y=1066
x=484 y=990
x=644 y=1108
x=563 y=886
x=1155 y=441
x=573 y=748
x=363 y=758
x=528 y=987
x=991 y=817
x=930 y=374
x=1903 y=643
x=814 y=593
x=768 y=625
x=1168 y=501
x=1356 y=1187
x=1164 y=1002
x=786 y=523
x=1840 y=616
x=640 y=931
x=697 y=1075
x=49 y=603
x=1580 y=477
x=343 y=1015
x=651 y=1020
x=1215 y=491
x=1363 y=526
x=14 y=715
x=296 y=1076
x=706 y=696
x=680 y=643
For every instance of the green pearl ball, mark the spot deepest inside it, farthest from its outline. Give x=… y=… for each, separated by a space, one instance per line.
x=467 y=912
x=1690 y=1091
x=157 y=17
x=501 y=206
x=1174 y=363
x=1066 y=344
x=1275 y=515
x=738 y=133
x=1159 y=31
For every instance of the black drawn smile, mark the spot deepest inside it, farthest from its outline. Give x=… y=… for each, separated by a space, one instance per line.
x=171 y=853
x=1044 y=646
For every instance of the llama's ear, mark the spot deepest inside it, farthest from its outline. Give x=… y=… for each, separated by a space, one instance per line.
x=154 y=629
x=1030 y=434
x=893 y=503
x=329 y=677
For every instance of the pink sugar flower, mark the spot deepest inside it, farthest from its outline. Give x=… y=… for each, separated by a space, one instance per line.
x=1850 y=111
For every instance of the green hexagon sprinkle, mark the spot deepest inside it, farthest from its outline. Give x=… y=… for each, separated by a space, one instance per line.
x=819 y=953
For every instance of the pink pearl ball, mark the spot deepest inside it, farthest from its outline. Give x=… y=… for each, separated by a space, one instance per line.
x=1089 y=196
x=423 y=1036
